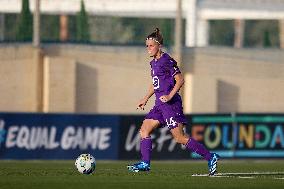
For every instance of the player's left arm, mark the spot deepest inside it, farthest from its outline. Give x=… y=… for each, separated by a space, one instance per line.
x=179 y=83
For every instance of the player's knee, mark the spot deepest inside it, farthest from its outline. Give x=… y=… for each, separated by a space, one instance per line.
x=180 y=139
x=144 y=131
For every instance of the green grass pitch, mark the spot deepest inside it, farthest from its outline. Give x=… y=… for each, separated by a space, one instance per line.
x=163 y=174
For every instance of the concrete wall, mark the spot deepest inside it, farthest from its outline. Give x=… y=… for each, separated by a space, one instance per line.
x=108 y=79
x=236 y=80
x=99 y=79
x=59 y=85
x=19 y=78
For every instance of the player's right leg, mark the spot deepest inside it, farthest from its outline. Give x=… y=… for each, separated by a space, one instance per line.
x=145 y=146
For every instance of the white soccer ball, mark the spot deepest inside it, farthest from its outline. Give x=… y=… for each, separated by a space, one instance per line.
x=85 y=164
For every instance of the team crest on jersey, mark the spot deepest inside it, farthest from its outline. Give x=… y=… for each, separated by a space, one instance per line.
x=156 y=82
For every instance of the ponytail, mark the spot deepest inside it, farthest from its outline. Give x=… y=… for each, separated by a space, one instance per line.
x=156 y=36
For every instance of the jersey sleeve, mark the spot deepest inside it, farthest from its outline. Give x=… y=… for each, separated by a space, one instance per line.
x=173 y=67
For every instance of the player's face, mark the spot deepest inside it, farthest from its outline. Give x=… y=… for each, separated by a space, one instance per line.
x=153 y=48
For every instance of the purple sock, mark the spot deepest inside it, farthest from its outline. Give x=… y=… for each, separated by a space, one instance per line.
x=146 y=148
x=198 y=148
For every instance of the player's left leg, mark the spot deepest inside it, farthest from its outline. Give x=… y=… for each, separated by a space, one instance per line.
x=189 y=142
x=196 y=147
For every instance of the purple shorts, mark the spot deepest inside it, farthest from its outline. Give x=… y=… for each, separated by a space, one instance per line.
x=168 y=114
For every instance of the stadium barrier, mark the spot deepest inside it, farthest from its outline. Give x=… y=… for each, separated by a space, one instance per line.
x=65 y=136
x=57 y=136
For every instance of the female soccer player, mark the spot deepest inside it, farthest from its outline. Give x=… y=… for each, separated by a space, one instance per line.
x=167 y=111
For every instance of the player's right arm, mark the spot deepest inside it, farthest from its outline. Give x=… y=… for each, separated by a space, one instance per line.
x=142 y=103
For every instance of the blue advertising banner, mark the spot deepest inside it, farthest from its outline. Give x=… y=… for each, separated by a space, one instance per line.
x=65 y=136
x=57 y=136
x=164 y=147
x=241 y=135
x=230 y=135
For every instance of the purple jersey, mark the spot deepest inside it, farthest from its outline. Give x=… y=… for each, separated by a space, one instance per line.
x=163 y=71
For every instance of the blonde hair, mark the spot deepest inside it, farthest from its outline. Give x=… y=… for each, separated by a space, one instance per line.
x=156 y=36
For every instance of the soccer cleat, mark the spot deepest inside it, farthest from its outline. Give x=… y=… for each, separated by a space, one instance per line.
x=212 y=164
x=140 y=166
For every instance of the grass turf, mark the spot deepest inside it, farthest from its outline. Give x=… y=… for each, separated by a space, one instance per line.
x=164 y=174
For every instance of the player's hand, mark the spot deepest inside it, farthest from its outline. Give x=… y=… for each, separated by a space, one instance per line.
x=165 y=98
x=141 y=104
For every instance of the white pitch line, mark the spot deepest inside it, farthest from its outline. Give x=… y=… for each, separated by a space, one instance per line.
x=199 y=175
x=240 y=175
x=247 y=177
x=218 y=176
x=253 y=173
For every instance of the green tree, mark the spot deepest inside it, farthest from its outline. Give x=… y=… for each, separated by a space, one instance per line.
x=266 y=39
x=83 y=33
x=24 y=30
x=49 y=30
x=141 y=27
